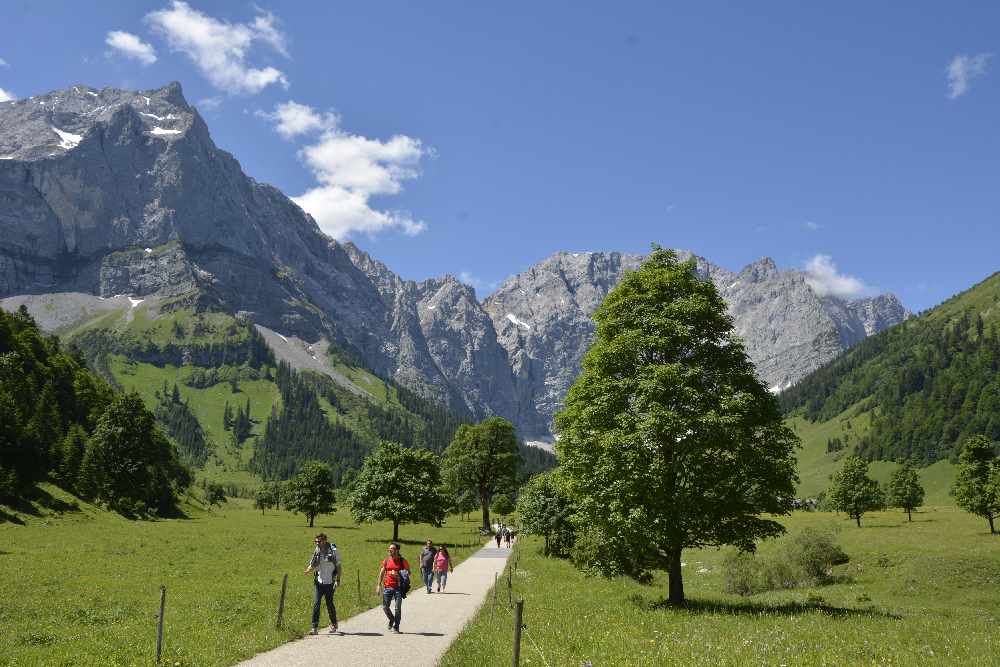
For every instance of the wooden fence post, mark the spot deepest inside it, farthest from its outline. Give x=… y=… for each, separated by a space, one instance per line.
x=159 y=622
x=510 y=589
x=281 y=600
x=518 y=611
x=359 y=584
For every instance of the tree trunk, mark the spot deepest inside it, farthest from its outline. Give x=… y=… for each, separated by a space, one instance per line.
x=676 y=586
x=395 y=530
x=485 y=502
x=990 y=519
x=857 y=517
x=545 y=551
x=909 y=515
x=311 y=517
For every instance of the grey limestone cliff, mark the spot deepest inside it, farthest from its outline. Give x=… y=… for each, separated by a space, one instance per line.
x=113 y=192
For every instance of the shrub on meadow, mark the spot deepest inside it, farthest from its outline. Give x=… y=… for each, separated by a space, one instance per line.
x=805 y=559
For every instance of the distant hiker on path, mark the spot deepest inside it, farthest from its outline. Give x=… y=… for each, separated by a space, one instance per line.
x=498 y=536
x=506 y=537
x=427 y=564
x=390 y=582
x=325 y=562
x=442 y=566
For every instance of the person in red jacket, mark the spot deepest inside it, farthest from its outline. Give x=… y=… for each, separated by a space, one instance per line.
x=394 y=568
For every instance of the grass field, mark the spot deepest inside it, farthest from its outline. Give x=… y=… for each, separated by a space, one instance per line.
x=82 y=588
x=920 y=593
x=226 y=465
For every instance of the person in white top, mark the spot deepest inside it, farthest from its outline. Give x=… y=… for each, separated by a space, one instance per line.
x=325 y=562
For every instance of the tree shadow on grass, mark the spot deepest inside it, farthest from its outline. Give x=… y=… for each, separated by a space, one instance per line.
x=765 y=609
x=332 y=527
x=412 y=543
x=36 y=502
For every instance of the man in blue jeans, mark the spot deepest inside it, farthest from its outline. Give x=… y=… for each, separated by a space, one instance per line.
x=325 y=562
x=389 y=579
x=427 y=564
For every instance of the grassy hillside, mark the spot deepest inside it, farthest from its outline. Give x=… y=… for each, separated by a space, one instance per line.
x=96 y=603
x=921 y=593
x=214 y=358
x=817 y=465
x=926 y=384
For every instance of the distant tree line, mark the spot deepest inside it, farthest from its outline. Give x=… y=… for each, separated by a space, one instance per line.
x=60 y=422
x=930 y=384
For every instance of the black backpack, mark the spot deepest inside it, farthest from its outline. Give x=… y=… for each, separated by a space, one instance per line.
x=404 y=582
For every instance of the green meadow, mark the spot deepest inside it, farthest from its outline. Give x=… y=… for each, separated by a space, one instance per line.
x=920 y=593
x=82 y=587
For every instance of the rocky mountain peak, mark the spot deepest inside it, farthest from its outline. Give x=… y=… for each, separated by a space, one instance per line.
x=54 y=124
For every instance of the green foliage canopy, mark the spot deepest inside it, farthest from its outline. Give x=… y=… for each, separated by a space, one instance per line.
x=311 y=491
x=977 y=483
x=483 y=458
x=853 y=491
x=400 y=485
x=668 y=440
x=129 y=464
x=905 y=490
x=544 y=510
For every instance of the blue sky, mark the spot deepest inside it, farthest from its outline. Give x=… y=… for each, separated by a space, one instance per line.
x=478 y=138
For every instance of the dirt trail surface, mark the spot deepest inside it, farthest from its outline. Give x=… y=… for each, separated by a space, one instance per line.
x=430 y=624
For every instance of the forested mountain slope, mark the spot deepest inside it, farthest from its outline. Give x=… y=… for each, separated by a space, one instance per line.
x=926 y=384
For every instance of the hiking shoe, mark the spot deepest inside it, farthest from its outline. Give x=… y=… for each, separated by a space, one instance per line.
x=313 y=631
x=391 y=625
x=395 y=631
x=333 y=630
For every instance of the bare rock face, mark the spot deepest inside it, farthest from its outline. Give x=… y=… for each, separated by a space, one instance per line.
x=543 y=320
x=114 y=192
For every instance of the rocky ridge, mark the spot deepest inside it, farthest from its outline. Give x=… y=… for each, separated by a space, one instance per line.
x=111 y=192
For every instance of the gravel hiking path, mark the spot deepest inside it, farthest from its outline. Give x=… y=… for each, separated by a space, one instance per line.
x=430 y=623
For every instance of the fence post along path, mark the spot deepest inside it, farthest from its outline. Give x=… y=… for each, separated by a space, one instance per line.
x=430 y=623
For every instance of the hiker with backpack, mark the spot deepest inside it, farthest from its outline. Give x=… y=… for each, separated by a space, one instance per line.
x=442 y=566
x=325 y=562
x=394 y=584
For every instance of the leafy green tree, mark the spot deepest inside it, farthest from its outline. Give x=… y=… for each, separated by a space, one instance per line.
x=482 y=458
x=268 y=495
x=129 y=464
x=464 y=502
x=502 y=504
x=215 y=494
x=544 y=510
x=399 y=485
x=854 y=492
x=977 y=482
x=905 y=490
x=668 y=440
x=311 y=491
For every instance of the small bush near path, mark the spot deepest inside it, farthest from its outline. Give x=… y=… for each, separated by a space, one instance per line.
x=803 y=559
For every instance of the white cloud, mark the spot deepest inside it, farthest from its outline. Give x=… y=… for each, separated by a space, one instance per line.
x=292 y=119
x=350 y=170
x=131 y=46
x=6 y=97
x=209 y=103
x=822 y=277
x=4 y=63
x=963 y=70
x=218 y=48
x=812 y=226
